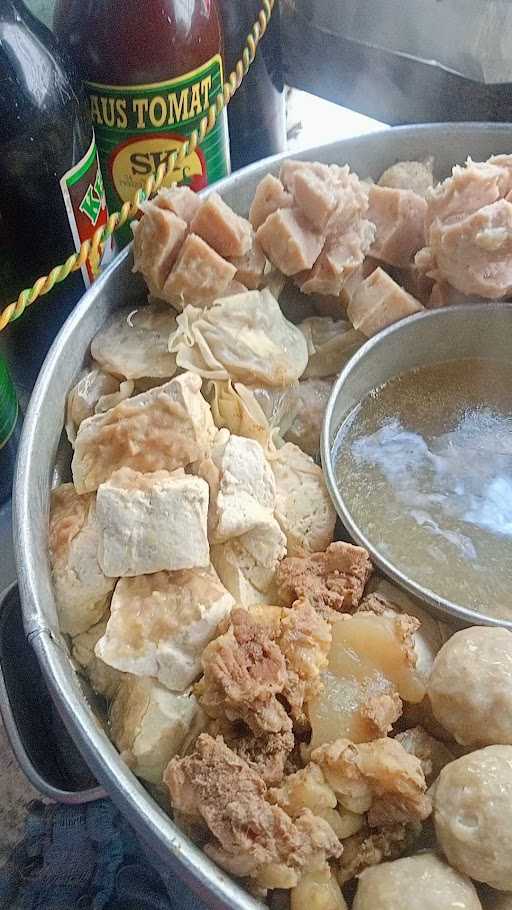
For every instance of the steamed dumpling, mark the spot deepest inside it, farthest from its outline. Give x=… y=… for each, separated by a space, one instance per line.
x=134 y=343
x=330 y=345
x=244 y=338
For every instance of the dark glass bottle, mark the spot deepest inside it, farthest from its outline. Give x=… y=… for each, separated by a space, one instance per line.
x=10 y=422
x=256 y=113
x=151 y=71
x=52 y=192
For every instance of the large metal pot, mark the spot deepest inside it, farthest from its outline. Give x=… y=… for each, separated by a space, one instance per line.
x=42 y=448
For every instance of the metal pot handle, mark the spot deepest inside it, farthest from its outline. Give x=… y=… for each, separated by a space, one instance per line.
x=31 y=732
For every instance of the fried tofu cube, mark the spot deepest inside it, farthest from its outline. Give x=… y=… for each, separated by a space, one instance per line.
x=151 y=522
x=160 y=625
x=199 y=276
x=81 y=587
x=226 y=232
x=378 y=302
x=150 y=725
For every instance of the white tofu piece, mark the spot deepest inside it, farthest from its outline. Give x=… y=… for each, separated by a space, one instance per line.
x=152 y=522
x=165 y=428
x=247 y=565
x=303 y=506
x=103 y=679
x=160 y=624
x=81 y=587
x=150 y=725
x=246 y=492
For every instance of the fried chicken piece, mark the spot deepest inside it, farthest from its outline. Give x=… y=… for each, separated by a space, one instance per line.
x=432 y=754
x=306 y=789
x=267 y=754
x=369 y=848
x=333 y=580
x=250 y=835
x=382 y=710
x=244 y=670
x=380 y=778
x=305 y=641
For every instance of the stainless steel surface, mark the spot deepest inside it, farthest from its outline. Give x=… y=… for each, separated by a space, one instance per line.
x=403 y=62
x=7 y=567
x=40 y=446
x=424 y=339
x=40 y=742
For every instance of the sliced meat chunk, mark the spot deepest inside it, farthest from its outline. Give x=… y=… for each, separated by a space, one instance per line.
x=470 y=188
x=226 y=232
x=179 y=199
x=250 y=268
x=157 y=240
x=379 y=301
x=315 y=196
x=341 y=256
x=399 y=218
x=199 y=276
x=289 y=241
x=409 y=175
x=334 y=580
x=270 y=196
x=475 y=255
x=252 y=838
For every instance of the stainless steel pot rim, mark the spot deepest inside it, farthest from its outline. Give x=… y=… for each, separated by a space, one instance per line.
x=449 y=609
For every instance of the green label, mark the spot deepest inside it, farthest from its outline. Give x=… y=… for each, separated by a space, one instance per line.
x=139 y=126
x=8 y=404
x=84 y=197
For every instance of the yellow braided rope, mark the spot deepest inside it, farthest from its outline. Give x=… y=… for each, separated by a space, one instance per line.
x=91 y=249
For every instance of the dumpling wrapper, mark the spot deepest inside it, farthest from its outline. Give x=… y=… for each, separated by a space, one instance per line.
x=303 y=506
x=94 y=393
x=134 y=343
x=165 y=428
x=81 y=588
x=330 y=345
x=255 y=412
x=244 y=338
x=160 y=624
x=307 y=423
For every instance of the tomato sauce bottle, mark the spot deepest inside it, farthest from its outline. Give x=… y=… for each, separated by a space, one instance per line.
x=52 y=195
x=151 y=71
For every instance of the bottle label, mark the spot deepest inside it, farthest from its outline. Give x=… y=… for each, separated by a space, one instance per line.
x=139 y=126
x=84 y=195
x=8 y=405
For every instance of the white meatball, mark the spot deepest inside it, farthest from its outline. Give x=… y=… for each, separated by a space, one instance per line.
x=470 y=686
x=473 y=815
x=423 y=882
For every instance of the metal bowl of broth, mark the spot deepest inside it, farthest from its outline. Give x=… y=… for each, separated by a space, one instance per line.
x=417 y=454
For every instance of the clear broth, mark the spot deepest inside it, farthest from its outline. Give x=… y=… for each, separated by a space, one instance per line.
x=425 y=467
